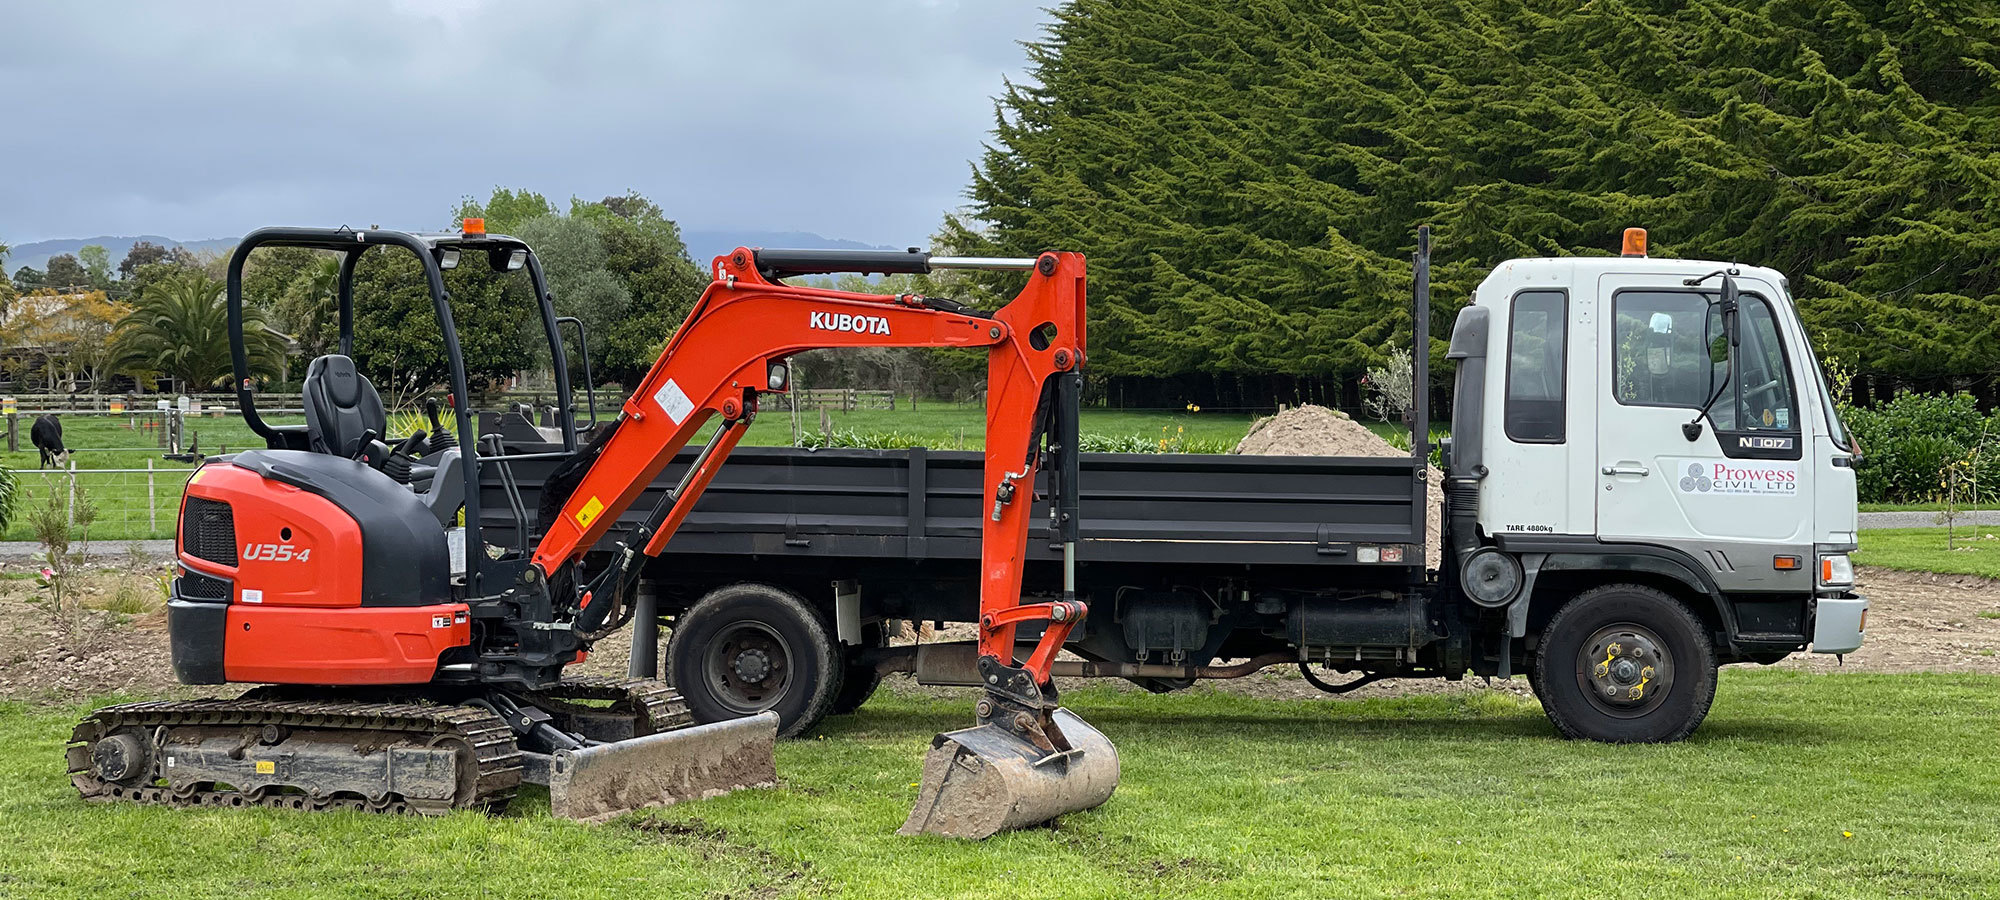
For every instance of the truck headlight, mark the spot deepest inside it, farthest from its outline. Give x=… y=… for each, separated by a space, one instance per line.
x=1836 y=569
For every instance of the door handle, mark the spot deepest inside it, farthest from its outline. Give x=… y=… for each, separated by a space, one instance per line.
x=1626 y=470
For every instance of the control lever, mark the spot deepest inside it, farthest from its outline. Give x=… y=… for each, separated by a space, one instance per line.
x=441 y=439
x=397 y=465
x=368 y=441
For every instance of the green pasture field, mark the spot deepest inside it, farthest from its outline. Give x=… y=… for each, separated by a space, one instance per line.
x=1800 y=785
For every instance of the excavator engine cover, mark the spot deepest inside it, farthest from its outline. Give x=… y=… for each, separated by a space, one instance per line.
x=983 y=780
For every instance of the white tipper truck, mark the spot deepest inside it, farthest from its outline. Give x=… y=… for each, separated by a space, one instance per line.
x=1647 y=479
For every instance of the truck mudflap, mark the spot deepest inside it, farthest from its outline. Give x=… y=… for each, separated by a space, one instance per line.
x=603 y=781
x=983 y=780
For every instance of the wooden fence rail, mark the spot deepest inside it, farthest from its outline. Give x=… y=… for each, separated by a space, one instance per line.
x=844 y=399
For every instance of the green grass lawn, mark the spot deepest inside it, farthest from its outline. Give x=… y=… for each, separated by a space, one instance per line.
x=1977 y=550
x=1799 y=785
x=1928 y=506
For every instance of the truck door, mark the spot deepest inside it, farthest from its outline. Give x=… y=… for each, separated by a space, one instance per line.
x=1735 y=494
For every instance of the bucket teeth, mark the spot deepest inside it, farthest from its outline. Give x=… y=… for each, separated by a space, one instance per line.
x=604 y=781
x=983 y=780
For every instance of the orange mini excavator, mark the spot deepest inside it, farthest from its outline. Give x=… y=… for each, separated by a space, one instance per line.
x=407 y=665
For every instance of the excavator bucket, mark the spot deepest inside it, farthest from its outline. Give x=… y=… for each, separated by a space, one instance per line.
x=983 y=780
x=604 y=781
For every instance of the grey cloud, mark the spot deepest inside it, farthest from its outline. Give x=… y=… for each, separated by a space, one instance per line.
x=853 y=119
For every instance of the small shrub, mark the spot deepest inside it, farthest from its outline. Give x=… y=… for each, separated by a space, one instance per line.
x=1388 y=392
x=54 y=521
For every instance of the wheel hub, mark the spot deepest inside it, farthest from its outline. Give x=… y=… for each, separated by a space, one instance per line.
x=752 y=665
x=749 y=667
x=1625 y=669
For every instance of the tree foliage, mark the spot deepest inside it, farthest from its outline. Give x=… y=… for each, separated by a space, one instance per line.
x=65 y=337
x=178 y=327
x=1247 y=177
x=618 y=264
x=65 y=272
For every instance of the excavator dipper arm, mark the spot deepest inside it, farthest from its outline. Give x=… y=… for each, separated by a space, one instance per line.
x=733 y=348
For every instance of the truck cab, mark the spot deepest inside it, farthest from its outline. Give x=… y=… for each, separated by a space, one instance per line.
x=1663 y=421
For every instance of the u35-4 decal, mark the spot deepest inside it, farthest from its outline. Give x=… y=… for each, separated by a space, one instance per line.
x=276 y=553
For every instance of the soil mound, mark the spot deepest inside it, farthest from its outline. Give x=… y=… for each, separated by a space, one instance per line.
x=1318 y=431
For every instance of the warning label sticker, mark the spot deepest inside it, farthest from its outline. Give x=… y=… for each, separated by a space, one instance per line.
x=673 y=401
x=589 y=512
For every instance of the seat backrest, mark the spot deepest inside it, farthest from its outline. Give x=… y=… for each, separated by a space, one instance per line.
x=341 y=407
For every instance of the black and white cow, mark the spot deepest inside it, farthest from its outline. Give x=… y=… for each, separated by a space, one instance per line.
x=47 y=435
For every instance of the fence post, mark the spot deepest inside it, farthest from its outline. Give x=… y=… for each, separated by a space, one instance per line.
x=72 y=493
x=13 y=432
x=152 y=502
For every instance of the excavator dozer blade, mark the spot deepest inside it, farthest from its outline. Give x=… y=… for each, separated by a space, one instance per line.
x=601 y=782
x=983 y=780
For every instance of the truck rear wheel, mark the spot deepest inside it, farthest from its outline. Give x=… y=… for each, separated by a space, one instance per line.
x=746 y=648
x=1625 y=664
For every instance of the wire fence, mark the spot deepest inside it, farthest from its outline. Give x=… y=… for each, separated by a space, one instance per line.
x=115 y=504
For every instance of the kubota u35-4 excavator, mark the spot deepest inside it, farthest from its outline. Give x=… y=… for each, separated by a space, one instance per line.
x=400 y=676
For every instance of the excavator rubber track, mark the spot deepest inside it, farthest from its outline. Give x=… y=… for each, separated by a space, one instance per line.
x=446 y=757
x=654 y=706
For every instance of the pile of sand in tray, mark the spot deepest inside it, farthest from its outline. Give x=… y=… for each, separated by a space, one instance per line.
x=1317 y=431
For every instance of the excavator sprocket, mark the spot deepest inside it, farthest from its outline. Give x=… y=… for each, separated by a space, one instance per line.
x=296 y=754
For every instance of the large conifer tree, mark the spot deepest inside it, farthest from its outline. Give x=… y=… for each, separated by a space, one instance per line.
x=1247 y=176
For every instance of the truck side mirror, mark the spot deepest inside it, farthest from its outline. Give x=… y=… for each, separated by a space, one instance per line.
x=1729 y=306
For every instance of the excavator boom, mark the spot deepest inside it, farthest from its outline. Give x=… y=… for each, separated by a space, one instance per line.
x=1006 y=771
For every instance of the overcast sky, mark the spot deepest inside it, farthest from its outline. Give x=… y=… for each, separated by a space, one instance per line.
x=852 y=118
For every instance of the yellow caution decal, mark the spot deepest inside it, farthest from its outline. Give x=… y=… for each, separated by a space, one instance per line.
x=266 y=767
x=588 y=513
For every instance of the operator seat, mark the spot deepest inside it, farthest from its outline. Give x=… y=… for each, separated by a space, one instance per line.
x=341 y=407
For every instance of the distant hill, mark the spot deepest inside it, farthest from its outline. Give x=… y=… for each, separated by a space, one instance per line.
x=707 y=245
x=37 y=254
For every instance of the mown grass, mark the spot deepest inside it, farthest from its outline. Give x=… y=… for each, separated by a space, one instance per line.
x=1976 y=550
x=1799 y=785
x=1926 y=506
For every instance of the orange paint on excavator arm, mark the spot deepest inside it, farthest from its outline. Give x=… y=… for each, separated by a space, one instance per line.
x=721 y=358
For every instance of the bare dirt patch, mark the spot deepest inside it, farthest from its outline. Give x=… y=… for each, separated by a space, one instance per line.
x=1922 y=622
x=93 y=651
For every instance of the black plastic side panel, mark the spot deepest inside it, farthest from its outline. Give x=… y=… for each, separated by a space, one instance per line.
x=1584 y=554
x=406 y=562
x=195 y=632
x=1135 y=508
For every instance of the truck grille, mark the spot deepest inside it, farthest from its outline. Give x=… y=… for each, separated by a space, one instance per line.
x=208 y=531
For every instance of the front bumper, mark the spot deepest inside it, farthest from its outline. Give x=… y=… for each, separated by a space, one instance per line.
x=1837 y=622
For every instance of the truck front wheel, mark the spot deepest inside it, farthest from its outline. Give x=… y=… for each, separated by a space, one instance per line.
x=746 y=648
x=1625 y=664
